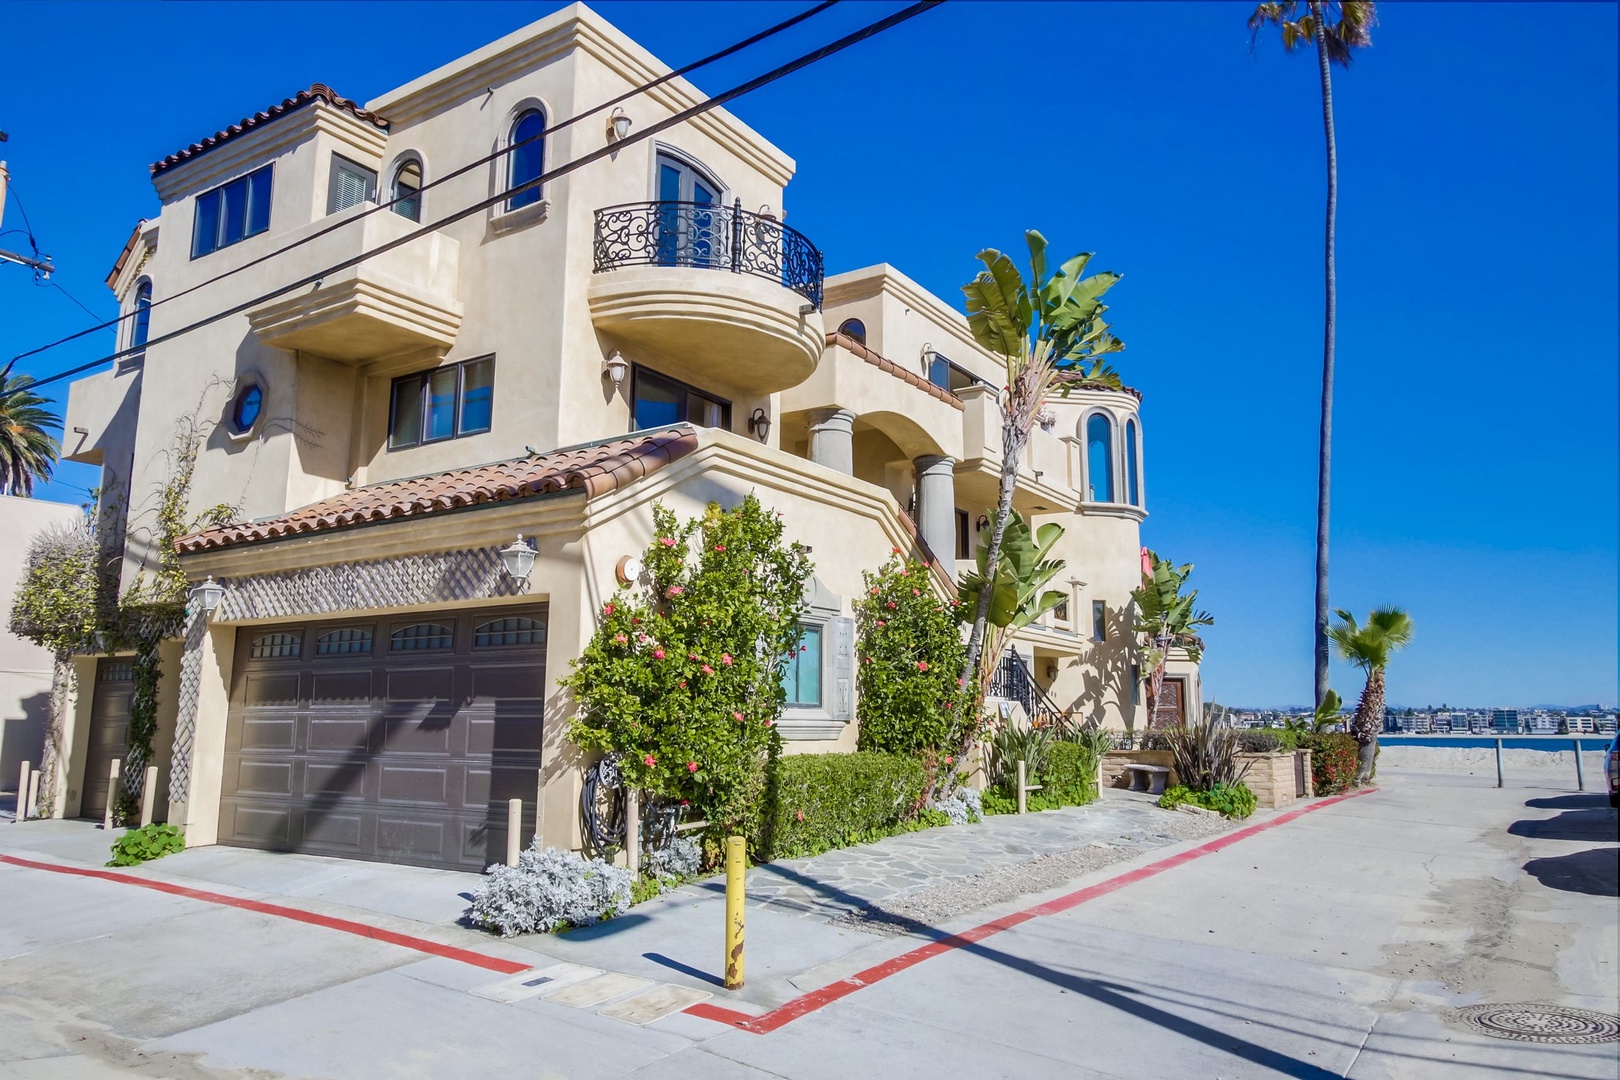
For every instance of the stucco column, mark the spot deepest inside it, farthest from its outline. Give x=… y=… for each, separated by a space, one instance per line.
x=936 y=504
x=832 y=439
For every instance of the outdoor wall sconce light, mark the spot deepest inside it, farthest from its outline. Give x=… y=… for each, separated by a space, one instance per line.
x=982 y=524
x=103 y=642
x=206 y=597
x=618 y=126
x=1051 y=670
x=614 y=368
x=927 y=355
x=759 y=425
x=518 y=559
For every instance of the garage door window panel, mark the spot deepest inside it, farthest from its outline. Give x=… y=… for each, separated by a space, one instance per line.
x=349 y=641
x=421 y=637
x=510 y=631
x=280 y=646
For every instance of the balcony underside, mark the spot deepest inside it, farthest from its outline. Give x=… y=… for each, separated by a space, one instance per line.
x=357 y=320
x=742 y=331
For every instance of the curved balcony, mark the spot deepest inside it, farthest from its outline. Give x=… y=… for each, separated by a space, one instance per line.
x=658 y=284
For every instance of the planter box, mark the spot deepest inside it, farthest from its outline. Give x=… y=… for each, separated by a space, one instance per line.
x=1274 y=778
x=1114 y=762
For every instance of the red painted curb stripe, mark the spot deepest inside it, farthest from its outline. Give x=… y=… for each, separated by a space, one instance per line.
x=816 y=999
x=375 y=933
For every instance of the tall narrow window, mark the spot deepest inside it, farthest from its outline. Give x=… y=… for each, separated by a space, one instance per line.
x=1099 y=459
x=801 y=673
x=349 y=185
x=690 y=232
x=140 y=325
x=527 y=161
x=1133 y=489
x=1099 y=620
x=406 y=193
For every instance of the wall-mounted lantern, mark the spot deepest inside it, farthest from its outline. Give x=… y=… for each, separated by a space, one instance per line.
x=615 y=368
x=206 y=597
x=618 y=126
x=518 y=559
x=759 y=425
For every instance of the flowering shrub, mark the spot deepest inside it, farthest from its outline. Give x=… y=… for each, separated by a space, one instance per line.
x=1334 y=759
x=683 y=678
x=825 y=801
x=911 y=656
x=549 y=890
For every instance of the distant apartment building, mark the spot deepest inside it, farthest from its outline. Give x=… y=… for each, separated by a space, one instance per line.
x=647 y=329
x=1505 y=721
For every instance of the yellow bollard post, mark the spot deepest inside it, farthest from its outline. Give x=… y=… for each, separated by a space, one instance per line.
x=736 y=867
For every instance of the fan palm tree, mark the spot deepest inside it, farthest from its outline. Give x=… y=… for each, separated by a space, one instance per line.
x=1166 y=617
x=28 y=452
x=1335 y=40
x=1051 y=334
x=1369 y=647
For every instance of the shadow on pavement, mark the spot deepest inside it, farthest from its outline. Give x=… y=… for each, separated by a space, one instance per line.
x=684 y=969
x=1595 y=872
x=1599 y=825
x=1585 y=800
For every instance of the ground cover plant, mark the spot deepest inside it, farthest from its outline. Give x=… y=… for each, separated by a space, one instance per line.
x=1232 y=800
x=549 y=890
x=145 y=844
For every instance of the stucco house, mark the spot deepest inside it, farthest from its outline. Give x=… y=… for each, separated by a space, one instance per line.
x=648 y=328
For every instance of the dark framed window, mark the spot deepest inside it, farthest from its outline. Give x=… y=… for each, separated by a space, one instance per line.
x=1099 y=459
x=246 y=408
x=140 y=326
x=1136 y=684
x=232 y=212
x=346 y=642
x=350 y=184
x=1133 y=488
x=526 y=162
x=947 y=375
x=658 y=401
x=1061 y=612
x=406 y=193
x=801 y=671
x=853 y=328
x=512 y=630
x=1099 y=620
x=421 y=637
x=445 y=403
x=964 y=536
x=276 y=646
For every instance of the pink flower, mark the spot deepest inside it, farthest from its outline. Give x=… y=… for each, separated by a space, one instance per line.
x=607 y=609
x=649 y=761
x=891 y=604
x=667 y=541
x=905 y=573
x=880 y=622
x=725 y=658
x=707 y=670
x=737 y=716
x=682 y=684
x=868 y=659
x=922 y=665
x=622 y=639
x=691 y=766
x=961 y=682
x=691 y=656
x=949 y=760
x=770 y=723
x=686 y=802
x=916 y=592
x=658 y=654
x=799 y=814
x=804 y=648
x=719 y=547
x=674 y=590
x=874 y=592
x=950 y=705
x=635 y=620
x=894 y=551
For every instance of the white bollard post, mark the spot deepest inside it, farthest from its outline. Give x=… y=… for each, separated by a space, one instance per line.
x=33 y=793
x=22 y=791
x=112 y=791
x=632 y=829
x=148 y=795
x=1020 y=785
x=514 y=826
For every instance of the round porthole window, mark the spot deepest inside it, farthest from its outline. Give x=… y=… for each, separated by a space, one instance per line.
x=249 y=403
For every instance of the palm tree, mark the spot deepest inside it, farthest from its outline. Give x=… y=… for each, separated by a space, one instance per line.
x=1166 y=617
x=1017 y=589
x=27 y=451
x=1335 y=41
x=1051 y=334
x=1369 y=647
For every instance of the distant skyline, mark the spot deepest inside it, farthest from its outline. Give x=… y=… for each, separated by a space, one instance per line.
x=1475 y=466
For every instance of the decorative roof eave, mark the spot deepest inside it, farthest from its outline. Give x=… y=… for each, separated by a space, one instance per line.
x=593 y=469
x=124 y=256
x=316 y=92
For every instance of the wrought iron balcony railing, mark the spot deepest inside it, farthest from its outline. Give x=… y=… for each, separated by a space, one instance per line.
x=711 y=237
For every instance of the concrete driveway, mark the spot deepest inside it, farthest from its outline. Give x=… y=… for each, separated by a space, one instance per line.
x=1336 y=943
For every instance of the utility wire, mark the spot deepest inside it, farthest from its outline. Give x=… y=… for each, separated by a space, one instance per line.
x=871 y=30
x=59 y=288
x=643 y=88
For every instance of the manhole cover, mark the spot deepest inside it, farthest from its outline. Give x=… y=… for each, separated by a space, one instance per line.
x=1536 y=1022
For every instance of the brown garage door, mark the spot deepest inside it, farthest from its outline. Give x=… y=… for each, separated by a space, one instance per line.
x=109 y=731
x=398 y=740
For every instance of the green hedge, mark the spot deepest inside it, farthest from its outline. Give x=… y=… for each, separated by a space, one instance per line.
x=824 y=801
x=1068 y=777
x=1236 y=801
x=1333 y=761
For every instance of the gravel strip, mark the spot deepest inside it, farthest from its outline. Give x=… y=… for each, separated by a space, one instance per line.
x=919 y=912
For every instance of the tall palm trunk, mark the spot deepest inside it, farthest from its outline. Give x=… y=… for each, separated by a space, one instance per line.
x=1325 y=446
x=1013 y=438
x=1369 y=722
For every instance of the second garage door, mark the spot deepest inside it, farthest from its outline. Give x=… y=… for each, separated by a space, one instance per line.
x=397 y=740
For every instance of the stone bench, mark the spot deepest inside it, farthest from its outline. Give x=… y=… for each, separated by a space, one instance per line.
x=1148 y=778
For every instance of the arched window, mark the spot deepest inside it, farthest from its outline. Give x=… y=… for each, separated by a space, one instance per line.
x=405 y=192
x=1099 y=459
x=527 y=161
x=853 y=328
x=1133 y=487
x=140 y=325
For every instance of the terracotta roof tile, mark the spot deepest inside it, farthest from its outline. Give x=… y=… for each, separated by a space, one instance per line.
x=887 y=365
x=595 y=469
x=316 y=92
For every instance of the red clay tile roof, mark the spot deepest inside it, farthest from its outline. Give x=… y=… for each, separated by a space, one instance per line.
x=884 y=364
x=123 y=256
x=316 y=92
x=595 y=469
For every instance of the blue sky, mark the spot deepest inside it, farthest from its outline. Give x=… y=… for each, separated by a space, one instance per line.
x=1475 y=470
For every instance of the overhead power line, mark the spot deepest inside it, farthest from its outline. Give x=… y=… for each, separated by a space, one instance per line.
x=729 y=50
x=871 y=30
